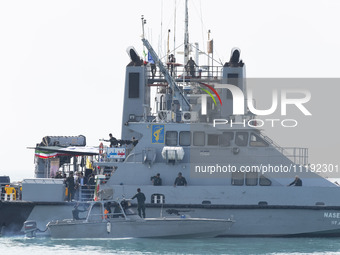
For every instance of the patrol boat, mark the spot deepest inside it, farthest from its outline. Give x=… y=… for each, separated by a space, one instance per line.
x=192 y=130
x=114 y=219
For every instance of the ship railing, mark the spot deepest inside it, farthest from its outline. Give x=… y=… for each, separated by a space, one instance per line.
x=297 y=155
x=202 y=73
x=44 y=181
x=86 y=193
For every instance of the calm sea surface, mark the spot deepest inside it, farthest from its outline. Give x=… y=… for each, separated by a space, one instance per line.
x=20 y=245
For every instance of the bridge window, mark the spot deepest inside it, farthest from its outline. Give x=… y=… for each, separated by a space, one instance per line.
x=251 y=178
x=185 y=138
x=171 y=138
x=257 y=141
x=241 y=138
x=199 y=138
x=212 y=140
x=264 y=181
x=237 y=178
x=226 y=138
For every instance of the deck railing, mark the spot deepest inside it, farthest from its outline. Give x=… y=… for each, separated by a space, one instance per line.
x=85 y=193
x=297 y=155
x=201 y=73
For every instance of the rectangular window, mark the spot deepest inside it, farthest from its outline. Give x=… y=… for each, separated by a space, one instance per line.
x=257 y=141
x=185 y=138
x=133 y=85
x=251 y=178
x=226 y=138
x=171 y=138
x=212 y=140
x=232 y=79
x=237 y=178
x=241 y=138
x=199 y=138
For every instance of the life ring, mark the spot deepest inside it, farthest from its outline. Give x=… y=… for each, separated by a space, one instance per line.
x=236 y=150
x=101 y=148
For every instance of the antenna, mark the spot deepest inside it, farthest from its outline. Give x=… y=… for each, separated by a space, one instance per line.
x=175 y=29
x=168 y=46
x=143 y=35
x=186 y=34
x=143 y=23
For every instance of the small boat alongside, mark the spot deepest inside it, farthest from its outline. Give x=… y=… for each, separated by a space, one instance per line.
x=114 y=219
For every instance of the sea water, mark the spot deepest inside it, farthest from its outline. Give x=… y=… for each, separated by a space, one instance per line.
x=277 y=246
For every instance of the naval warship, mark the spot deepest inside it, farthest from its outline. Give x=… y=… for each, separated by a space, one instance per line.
x=195 y=120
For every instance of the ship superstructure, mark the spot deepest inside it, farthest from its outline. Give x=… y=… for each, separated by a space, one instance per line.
x=230 y=168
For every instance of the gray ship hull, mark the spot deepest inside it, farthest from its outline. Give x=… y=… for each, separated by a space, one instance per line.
x=279 y=211
x=272 y=221
x=251 y=220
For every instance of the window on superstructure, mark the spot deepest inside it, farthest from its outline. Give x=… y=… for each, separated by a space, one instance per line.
x=232 y=79
x=185 y=138
x=212 y=139
x=237 y=178
x=199 y=138
x=133 y=85
x=251 y=178
x=257 y=141
x=226 y=138
x=241 y=138
x=264 y=181
x=171 y=138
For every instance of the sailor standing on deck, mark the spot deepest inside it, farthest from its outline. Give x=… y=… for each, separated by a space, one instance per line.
x=171 y=64
x=156 y=180
x=141 y=202
x=113 y=141
x=70 y=184
x=191 y=67
x=180 y=180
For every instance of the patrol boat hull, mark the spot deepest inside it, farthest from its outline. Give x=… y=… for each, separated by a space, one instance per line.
x=115 y=219
x=150 y=227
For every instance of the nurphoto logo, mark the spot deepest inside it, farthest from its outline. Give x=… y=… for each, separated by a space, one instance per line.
x=240 y=102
